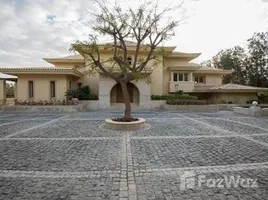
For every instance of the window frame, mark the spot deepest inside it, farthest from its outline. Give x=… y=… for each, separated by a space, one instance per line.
x=197 y=79
x=180 y=77
x=52 y=91
x=30 y=89
x=129 y=60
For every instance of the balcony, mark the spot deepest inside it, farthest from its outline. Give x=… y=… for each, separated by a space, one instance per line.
x=185 y=86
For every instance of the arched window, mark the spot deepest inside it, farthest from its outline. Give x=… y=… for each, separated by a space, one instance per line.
x=129 y=60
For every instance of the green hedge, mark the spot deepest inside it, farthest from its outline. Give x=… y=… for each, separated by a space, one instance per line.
x=171 y=97
x=159 y=97
x=186 y=102
x=182 y=97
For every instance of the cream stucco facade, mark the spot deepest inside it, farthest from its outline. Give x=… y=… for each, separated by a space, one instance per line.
x=174 y=72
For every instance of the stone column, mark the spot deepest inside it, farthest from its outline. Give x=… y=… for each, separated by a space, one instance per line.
x=191 y=77
x=15 y=90
x=105 y=86
x=2 y=92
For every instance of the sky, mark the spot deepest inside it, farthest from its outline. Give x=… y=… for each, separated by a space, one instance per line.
x=34 y=29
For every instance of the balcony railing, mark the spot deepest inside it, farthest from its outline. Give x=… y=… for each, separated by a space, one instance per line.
x=185 y=86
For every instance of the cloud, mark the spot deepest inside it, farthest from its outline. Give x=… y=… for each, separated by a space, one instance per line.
x=31 y=30
x=37 y=29
x=219 y=24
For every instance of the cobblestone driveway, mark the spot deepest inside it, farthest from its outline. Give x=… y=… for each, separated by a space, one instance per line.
x=179 y=156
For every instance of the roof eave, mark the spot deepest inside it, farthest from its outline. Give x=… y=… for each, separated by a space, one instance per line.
x=238 y=90
x=184 y=55
x=223 y=72
x=62 y=60
x=185 y=68
x=38 y=71
x=116 y=71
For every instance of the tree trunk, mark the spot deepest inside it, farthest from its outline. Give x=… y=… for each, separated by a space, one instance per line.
x=125 y=93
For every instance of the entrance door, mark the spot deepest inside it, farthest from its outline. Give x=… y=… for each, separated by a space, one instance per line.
x=119 y=94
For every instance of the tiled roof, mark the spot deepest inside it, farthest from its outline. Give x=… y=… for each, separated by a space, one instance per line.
x=202 y=87
x=236 y=88
x=227 y=88
x=231 y=86
x=39 y=70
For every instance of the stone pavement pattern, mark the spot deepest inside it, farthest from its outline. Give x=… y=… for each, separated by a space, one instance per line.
x=70 y=156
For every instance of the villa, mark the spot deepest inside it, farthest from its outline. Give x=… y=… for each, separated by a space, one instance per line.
x=175 y=72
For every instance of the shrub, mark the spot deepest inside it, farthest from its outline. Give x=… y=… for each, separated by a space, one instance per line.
x=262 y=98
x=186 y=102
x=182 y=97
x=72 y=93
x=177 y=93
x=159 y=97
x=93 y=97
x=40 y=103
x=174 y=96
x=83 y=93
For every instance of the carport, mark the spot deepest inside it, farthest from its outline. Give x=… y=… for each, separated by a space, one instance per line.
x=3 y=79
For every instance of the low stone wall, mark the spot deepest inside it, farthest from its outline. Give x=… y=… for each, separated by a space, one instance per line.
x=242 y=111
x=158 y=104
x=227 y=107
x=87 y=105
x=264 y=112
x=193 y=108
x=10 y=101
x=50 y=109
x=251 y=111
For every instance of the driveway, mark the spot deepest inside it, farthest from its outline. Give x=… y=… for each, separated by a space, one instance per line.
x=178 y=156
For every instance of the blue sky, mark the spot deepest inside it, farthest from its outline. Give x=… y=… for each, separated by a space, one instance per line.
x=33 y=29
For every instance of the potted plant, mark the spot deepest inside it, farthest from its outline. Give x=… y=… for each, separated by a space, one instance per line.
x=73 y=95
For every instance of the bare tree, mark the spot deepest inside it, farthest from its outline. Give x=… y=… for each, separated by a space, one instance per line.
x=146 y=26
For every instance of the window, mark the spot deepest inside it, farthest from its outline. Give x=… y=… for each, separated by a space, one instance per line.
x=129 y=60
x=180 y=77
x=175 y=77
x=199 y=79
x=79 y=85
x=30 y=89
x=52 y=89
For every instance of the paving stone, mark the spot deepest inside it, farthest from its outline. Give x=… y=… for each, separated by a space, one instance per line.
x=233 y=126
x=261 y=138
x=56 y=155
x=8 y=129
x=174 y=153
x=37 y=188
x=176 y=127
x=74 y=158
x=71 y=129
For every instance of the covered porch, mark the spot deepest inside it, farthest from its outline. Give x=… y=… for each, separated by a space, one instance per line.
x=5 y=97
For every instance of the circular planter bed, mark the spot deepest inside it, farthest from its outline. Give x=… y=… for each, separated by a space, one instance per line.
x=125 y=126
